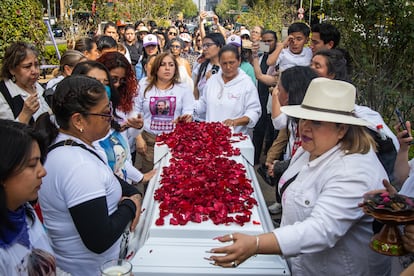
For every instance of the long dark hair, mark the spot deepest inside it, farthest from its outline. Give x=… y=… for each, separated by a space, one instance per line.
x=219 y=40
x=16 y=142
x=295 y=81
x=336 y=63
x=74 y=94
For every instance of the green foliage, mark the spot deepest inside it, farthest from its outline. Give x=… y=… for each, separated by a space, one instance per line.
x=379 y=35
x=225 y=6
x=49 y=54
x=271 y=14
x=21 y=20
x=186 y=7
x=132 y=10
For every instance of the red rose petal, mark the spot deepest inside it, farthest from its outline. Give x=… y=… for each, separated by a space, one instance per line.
x=201 y=182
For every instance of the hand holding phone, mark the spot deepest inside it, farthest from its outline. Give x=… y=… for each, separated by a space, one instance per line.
x=402 y=122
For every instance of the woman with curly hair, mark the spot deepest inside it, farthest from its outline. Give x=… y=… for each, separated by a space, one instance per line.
x=123 y=79
x=126 y=85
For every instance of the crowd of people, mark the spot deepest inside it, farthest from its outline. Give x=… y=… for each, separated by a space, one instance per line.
x=97 y=122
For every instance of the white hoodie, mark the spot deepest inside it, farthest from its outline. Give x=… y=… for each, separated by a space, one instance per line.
x=231 y=100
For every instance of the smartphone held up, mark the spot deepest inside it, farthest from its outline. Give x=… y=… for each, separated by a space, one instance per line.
x=263 y=47
x=401 y=120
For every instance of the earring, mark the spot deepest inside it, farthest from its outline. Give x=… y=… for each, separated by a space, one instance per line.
x=13 y=79
x=81 y=130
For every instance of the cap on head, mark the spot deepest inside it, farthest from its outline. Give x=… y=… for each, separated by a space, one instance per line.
x=149 y=39
x=234 y=40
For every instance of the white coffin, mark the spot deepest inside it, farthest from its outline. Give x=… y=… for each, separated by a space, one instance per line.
x=180 y=250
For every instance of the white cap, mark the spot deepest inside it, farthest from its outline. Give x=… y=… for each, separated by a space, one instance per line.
x=149 y=39
x=244 y=32
x=234 y=40
x=185 y=37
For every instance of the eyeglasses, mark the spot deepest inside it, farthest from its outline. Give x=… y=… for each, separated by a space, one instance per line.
x=244 y=37
x=207 y=45
x=120 y=80
x=172 y=33
x=104 y=115
x=268 y=41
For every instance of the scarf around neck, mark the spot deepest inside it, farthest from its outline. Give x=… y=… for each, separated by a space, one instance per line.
x=18 y=234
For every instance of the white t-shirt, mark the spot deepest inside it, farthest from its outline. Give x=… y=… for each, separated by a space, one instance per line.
x=74 y=176
x=199 y=116
x=19 y=260
x=15 y=90
x=116 y=150
x=161 y=107
x=185 y=78
x=231 y=100
x=53 y=82
x=287 y=59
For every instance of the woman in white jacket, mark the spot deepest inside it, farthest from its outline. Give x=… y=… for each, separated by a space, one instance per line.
x=230 y=96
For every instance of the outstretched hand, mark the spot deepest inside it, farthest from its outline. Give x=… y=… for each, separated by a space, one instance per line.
x=242 y=248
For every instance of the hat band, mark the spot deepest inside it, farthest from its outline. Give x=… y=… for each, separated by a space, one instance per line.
x=328 y=110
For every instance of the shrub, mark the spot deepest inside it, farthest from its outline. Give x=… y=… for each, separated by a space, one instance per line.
x=21 y=20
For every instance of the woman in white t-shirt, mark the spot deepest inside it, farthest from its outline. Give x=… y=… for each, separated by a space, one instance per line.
x=162 y=100
x=24 y=246
x=85 y=208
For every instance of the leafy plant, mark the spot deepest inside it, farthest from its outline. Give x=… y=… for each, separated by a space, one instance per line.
x=49 y=54
x=379 y=35
x=21 y=20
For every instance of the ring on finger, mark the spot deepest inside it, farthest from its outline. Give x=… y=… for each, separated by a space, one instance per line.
x=234 y=264
x=231 y=236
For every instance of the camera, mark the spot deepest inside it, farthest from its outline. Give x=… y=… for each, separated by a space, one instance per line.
x=215 y=69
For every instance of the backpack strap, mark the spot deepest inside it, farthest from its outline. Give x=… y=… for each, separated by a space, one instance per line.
x=127 y=189
x=70 y=142
x=287 y=183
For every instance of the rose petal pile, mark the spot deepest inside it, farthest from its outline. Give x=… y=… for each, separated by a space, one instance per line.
x=201 y=182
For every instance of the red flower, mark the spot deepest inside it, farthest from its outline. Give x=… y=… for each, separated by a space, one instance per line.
x=201 y=182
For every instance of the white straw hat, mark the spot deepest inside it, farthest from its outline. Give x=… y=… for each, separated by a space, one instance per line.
x=329 y=101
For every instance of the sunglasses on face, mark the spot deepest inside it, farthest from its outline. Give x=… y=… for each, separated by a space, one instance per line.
x=172 y=33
